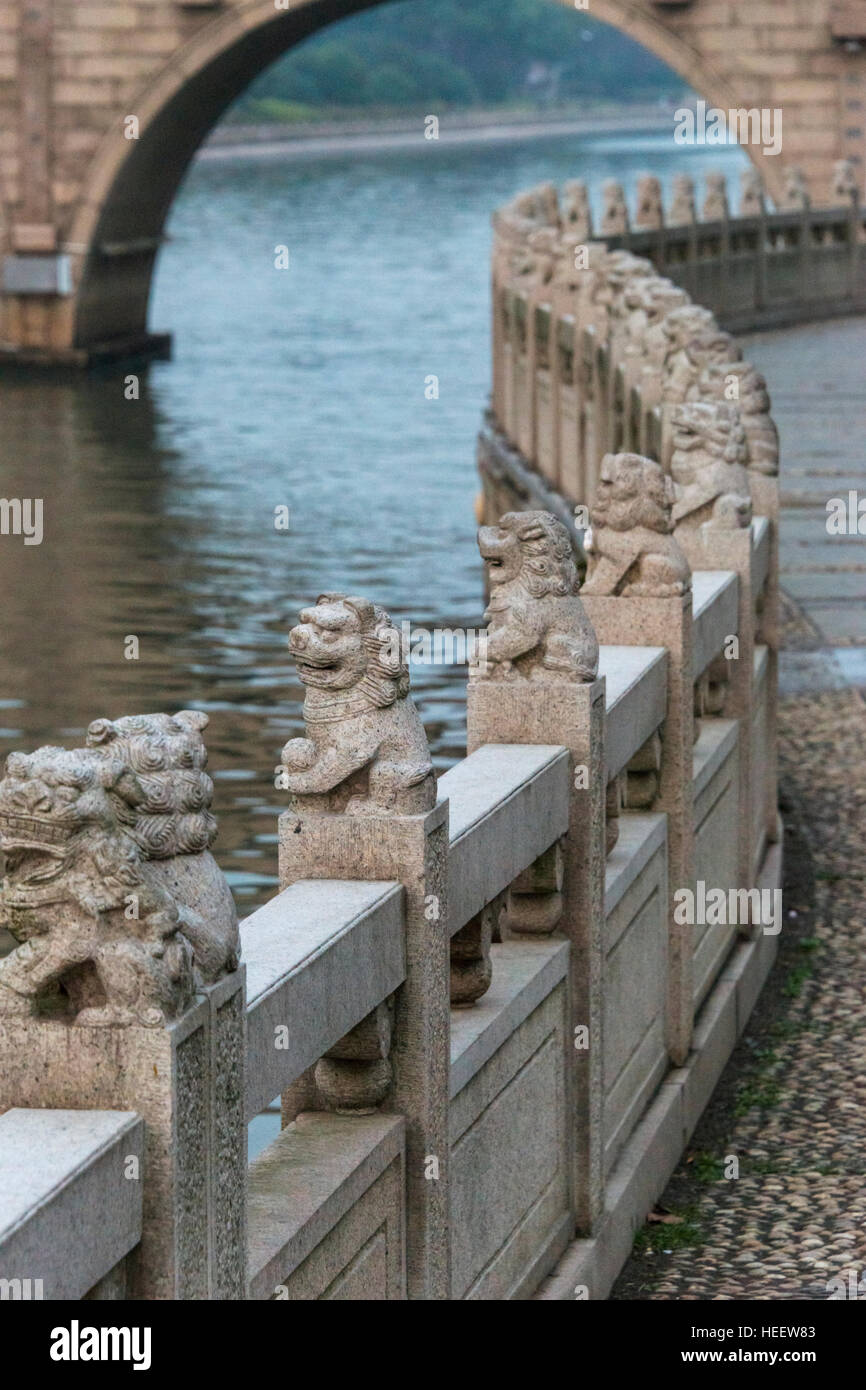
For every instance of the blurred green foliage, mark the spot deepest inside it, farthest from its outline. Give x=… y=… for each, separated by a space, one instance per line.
x=489 y=53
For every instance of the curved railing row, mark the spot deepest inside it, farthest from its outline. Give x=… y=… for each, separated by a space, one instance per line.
x=493 y=1006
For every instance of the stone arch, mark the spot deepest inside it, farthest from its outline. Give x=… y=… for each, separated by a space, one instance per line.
x=647 y=28
x=130 y=184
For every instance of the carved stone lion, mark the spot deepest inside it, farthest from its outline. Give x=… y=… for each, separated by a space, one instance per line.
x=534 y=263
x=537 y=627
x=173 y=825
x=795 y=194
x=649 y=211
x=630 y=549
x=365 y=751
x=708 y=467
x=119 y=911
x=753 y=402
x=99 y=942
x=715 y=208
x=751 y=193
x=682 y=209
x=845 y=186
x=614 y=212
x=694 y=341
x=576 y=212
x=646 y=303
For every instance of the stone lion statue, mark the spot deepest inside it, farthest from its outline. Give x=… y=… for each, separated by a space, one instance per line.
x=365 y=751
x=649 y=211
x=537 y=627
x=753 y=402
x=534 y=262
x=614 y=211
x=173 y=825
x=751 y=193
x=630 y=549
x=693 y=341
x=708 y=466
x=845 y=186
x=715 y=208
x=108 y=934
x=795 y=194
x=682 y=209
x=576 y=211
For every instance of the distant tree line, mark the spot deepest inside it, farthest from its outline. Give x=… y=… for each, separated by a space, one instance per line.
x=487 y=53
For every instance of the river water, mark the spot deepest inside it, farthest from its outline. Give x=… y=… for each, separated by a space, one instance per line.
x=301 y=388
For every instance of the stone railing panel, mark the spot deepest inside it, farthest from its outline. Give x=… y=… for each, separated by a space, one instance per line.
x=320 y=957
x=71 y=1184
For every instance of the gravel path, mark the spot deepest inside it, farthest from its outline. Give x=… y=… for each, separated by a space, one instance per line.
x=788 y=1217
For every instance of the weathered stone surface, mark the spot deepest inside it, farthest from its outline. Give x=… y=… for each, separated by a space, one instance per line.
x=412 y=850
x=342 y=1236
x=537 y=626
x=107 y=938
x=69 y=1211
x=509 y=1125
x=715 y=207
x=366 y=751
x=708 y=466
x=614 y=213
x=682 y=209
x=648 y=210
x=186 y=1081
x=631 y=550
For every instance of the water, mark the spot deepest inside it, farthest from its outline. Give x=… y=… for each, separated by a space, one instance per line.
x=302 y=388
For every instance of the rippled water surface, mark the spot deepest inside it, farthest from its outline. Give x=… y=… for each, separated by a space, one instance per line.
x=301 y=388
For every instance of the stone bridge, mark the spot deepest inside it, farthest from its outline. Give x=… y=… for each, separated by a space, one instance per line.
x=103 y=105
x=496 y=1006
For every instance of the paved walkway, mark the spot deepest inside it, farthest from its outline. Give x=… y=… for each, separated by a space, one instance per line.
x=787 y=1218
x=817 y=376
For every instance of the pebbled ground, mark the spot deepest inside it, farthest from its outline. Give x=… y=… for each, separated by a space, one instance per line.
x=791 y=1106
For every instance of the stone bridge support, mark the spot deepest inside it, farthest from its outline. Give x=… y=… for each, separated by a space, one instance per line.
x=85 y=189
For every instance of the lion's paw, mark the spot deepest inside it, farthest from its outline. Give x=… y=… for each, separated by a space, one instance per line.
x=299 y=754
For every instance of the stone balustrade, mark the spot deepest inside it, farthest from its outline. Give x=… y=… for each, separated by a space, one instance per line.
x=491 y=1021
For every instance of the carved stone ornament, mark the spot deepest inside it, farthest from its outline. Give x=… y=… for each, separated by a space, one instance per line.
x=614 y=211
x=630 y=548
x=119 y=911
x=751 y=193
x=715 y=207
x=537 y=627
x=708 y=466
x=365 y=751
x=694 y=342
x=649 y=211
x=576 y=212
x=743 y=383
x=682 y=209
x=845 y=187
x=795 y=194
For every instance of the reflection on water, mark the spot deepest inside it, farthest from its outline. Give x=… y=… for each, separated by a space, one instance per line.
x=301 y=388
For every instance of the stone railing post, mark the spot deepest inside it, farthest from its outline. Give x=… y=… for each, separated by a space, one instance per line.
x=539 y=685
x=126 y=993
x=712 y=526
x=638 y=593
x=359 y=815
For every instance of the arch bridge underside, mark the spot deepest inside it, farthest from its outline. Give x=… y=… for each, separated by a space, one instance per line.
x=84 y=206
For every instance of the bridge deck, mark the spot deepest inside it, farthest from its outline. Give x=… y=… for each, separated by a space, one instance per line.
x=816 y=376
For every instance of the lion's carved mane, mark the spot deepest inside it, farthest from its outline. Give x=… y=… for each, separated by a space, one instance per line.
x=365 y=751
x=537 y=624
x=630 y=548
